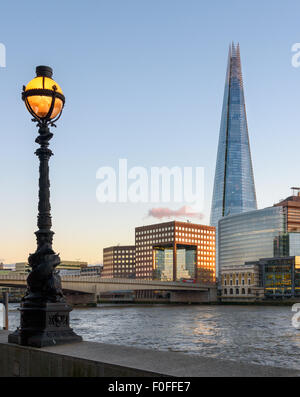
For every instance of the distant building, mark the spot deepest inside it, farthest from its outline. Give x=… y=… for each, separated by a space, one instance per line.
x=281 y=277
x=267 y=278
x=14 y=294
x=241 y=283
x=5 y=272
x=119 y=262
x=249 y=236
x=291 y=207
x=22 y=268
x=69 y=272
x=65 y=267
x=94 y=270
x=71 y=267
x=269 y=232
x=174 y=251
x=4 y=266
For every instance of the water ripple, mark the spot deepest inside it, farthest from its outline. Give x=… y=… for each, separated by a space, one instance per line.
x=253 y=334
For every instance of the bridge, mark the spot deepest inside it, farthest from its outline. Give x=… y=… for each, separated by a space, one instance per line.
x=89 y=288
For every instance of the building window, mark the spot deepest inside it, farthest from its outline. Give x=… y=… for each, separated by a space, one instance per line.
x=237 y=291
x=231 y=291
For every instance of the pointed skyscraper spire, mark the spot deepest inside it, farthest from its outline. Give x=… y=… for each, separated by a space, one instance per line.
x=234 y=190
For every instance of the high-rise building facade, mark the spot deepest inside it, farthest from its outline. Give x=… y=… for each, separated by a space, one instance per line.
x=119 y=262
x=266 y=233
x=291 y=206
x=250 y=236
x=176 y=251
x=234 y=190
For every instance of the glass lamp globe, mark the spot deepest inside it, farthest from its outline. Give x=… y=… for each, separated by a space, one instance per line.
x=41 y=92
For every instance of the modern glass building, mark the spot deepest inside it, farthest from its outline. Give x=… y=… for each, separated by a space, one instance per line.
x=163 y=264
x=281 y=276
x=186 y=262
x=252 y=235
x=294 y=244
x=234 y=190
x=186 y=256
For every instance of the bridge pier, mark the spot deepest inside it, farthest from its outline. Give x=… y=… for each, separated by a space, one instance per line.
x=193 y=296
x=81 y=299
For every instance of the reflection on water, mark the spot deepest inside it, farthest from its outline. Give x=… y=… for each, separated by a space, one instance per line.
x=256 y=334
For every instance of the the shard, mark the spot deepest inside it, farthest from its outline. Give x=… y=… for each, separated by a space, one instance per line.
x=234 y=190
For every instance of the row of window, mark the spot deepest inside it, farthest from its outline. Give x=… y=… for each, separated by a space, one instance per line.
x=156 y=230
x=187 y=229
x=236 y=275
x=237 y=282
x=237 y=291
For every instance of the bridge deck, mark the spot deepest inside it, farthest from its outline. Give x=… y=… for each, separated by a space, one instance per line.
x=94 y=284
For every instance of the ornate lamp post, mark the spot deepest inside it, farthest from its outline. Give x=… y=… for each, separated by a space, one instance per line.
x=44 y=311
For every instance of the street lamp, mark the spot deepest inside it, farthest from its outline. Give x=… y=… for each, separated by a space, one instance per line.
x=44 y=311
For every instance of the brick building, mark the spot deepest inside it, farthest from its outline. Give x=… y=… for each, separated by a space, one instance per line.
x=174 y=251
x=119 y=262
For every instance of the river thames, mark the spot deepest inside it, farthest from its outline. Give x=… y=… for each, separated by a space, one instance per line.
x=254 y=334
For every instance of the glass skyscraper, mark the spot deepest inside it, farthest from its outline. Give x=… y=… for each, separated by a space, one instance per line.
x=252 y=235
x=234 y=190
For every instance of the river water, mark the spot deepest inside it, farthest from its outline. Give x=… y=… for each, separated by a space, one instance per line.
x=253 y=334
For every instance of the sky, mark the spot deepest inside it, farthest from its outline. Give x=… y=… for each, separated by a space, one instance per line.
x=143 y=81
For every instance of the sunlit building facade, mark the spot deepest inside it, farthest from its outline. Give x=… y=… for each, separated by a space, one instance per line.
x=291 y=206
x=119 y=262
x=176 y=251
x=242 y=283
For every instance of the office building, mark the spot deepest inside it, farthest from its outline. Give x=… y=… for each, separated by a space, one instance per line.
x=265 y=233
x=234 y=189
x=175 y=251
x=291 y=206
x=71 y=267
x=119 y=262
x=241 y=283
x=281 y=277
x=265 y=279
x=4 y=266
x=251 y=235
x=22 y=268
x=93 y=270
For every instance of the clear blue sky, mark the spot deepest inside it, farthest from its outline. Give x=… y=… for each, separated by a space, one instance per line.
x=144 y=81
